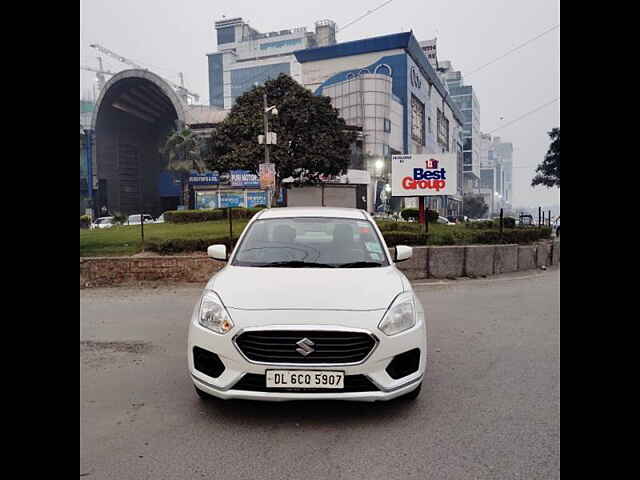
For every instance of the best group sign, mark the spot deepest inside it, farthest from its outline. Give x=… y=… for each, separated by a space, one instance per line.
x=424 y=174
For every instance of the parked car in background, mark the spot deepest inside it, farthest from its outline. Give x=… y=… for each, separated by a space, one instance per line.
x=135 y=219
x=102 y=222
x=160 y=219
x=444 y=221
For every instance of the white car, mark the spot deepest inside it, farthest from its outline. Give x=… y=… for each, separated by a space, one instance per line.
x=309 y=306
x=103 y=222
x=444 y=221
x=135 y=219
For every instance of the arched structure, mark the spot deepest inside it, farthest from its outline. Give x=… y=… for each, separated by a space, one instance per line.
x=133 y=116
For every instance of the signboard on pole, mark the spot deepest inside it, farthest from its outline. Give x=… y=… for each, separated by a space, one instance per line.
x=268 y=176
x=424 y=175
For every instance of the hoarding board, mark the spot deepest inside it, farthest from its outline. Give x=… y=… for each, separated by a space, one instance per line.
x=244 y=178
x=424 y=175
x=231 y=199
x=206 y=200
x=267 y=176
x=206 y=178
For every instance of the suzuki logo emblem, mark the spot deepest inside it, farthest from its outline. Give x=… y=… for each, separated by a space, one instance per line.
x=306 y=347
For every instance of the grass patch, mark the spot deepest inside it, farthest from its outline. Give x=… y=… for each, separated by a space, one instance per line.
x=125 y=240
x=168 y=238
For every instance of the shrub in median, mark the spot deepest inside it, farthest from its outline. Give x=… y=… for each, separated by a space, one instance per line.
x=180 y=245
x=209 y=215
x=85 y=220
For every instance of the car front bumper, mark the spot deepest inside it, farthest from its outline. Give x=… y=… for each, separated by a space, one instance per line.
x=373 y=367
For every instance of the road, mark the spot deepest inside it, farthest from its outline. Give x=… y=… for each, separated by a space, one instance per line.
x=489 y=408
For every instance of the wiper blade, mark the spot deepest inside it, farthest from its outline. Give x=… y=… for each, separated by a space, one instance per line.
x=360 y=265
x=297 y=264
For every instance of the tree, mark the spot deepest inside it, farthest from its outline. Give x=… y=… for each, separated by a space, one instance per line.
x=474 y=206
x=549 y=170
x=312 y=140
x=184 y=152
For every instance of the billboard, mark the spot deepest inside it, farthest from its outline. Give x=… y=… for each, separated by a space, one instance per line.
x=267 y=176
x=424 y=175
x=206 y=178
x=244 y=178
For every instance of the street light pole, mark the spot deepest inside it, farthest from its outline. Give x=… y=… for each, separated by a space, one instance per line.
x=266 y=141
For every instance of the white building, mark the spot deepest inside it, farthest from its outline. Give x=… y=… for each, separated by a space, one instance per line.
x=246 y=57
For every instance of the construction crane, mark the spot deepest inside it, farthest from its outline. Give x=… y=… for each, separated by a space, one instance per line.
x=100 y=73
x=182 y=91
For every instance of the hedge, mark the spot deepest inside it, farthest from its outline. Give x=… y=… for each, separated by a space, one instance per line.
x=179 y=245
x=414 y=214
x=85 y=221
x=194 y=216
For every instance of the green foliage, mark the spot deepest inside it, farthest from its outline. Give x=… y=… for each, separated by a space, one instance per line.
x=410 y=214
x=312 y=138
x=474 y=206
x=549 y=170
x=194 y=216
x=85 y=221
x=180 y=245
x=509 y=222
x=120 y=218
x=414 y=214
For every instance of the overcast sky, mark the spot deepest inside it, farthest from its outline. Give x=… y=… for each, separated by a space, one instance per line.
x=170 y=37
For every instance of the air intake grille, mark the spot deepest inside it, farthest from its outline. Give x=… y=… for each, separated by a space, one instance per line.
x=281 y=346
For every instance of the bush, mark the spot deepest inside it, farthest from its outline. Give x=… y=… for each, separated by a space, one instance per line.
x=410 y=214
x=509 y=222
x=405 y=238
x=193 y=216
x=178 y=245
x=414 y=214
x=85 y=221
x=120 y=218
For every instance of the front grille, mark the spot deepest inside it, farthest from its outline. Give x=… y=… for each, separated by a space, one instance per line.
x=254 y=382
x=279 y=346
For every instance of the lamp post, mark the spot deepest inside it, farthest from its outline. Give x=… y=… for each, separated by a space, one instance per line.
x=267 y=137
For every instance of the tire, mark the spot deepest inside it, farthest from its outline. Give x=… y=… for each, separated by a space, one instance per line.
x=413 y=394
x=202 y=395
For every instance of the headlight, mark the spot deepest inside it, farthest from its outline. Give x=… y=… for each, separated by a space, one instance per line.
x=401 y=315
x=213 y=315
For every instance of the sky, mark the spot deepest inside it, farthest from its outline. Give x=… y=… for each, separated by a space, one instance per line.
x=169 y=37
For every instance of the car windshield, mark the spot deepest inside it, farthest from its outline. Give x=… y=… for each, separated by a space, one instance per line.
x=305 y=242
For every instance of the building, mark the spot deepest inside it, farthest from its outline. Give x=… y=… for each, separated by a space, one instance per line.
x=465 y=98
x=86 y=111
x=246 y=57
x=496 y=166
x=387 y=86
x=429 y=48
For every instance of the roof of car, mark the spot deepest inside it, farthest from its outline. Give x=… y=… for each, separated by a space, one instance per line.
x=329 y=212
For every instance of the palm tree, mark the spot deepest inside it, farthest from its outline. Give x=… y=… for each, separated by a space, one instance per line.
x=184 y=151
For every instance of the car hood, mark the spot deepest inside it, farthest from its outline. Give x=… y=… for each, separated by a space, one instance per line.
x=307 y=288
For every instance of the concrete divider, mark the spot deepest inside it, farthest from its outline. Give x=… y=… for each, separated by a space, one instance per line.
x=445 y=262
x=416 y=267
x=527 y=257
x=543 y=254
x=505 y=259
x=104 y=271
x=426 y=262
x=555 y=252
x=479 y=260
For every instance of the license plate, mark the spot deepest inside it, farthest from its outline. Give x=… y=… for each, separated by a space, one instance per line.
x=305 y=379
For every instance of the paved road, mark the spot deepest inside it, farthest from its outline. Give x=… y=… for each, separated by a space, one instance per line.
x=490 y=406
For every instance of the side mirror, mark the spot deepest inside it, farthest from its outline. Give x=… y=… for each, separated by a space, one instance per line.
x=403 y=253
x=217 y=252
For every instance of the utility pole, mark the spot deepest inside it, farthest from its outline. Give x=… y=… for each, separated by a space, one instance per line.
x=266 y=140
